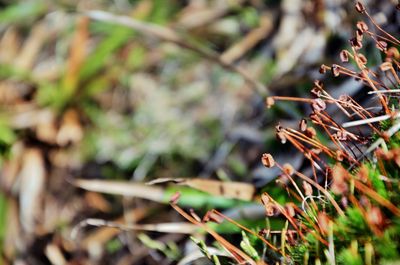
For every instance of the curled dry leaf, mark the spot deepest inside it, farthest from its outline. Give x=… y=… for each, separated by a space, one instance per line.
x=71 y=130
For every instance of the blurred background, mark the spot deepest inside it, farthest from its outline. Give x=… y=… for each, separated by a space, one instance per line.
x=180 y=93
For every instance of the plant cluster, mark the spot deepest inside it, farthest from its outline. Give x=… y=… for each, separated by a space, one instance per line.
x=346 y=212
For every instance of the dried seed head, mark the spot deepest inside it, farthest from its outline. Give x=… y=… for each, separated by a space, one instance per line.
x=393 y=52
x=361 y=25
x=360 y=7
x=282 y=137
x=359 y=35
x=303 y=125
x=323 y=68
x=341 y=135
x=278 y=128
x=335 y=70
x=344 y=101
x=386 y=66
x=355 y=43
x=381 y=45
x=318 y=105
x=267 y=160
x=270 y=102
x=316 y=151
x=344 y=56
x=290 y=210
x=263 y=232
x=307 y=189
x=316 y=92
x=268 y=205
x=288 y=169
x=310 y=132
x=318 y=84
x=339 y=155
x=362 y=59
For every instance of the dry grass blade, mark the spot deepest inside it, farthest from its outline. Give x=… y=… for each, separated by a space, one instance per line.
x=177 y=228
x=32 y=177
x=122 y=188
x=234 y=190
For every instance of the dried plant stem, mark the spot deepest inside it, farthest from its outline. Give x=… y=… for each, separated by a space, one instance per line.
x=169 y=35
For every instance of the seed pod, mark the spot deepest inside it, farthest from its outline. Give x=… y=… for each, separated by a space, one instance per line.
x=341 y=135
x=361 y=25
x=310 y=132
x=288 y=169
x=393 y=52
x=344 y=56
x=318 y=105
x=339 y=155
x=263 y=232
x=335 y=70
x=267 y=160
x=303 y=125
x=386 y=66
x=359 y=35
x=318 y=83
x=354 y=42
x=362 y=59
x=360 y=7
x=270 y=102
x=323 y=68
x=316 y=92
x=282 y=137
x=290 y=210
x=268 y=205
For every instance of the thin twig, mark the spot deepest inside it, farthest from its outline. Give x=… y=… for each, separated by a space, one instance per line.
x=169 y=35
